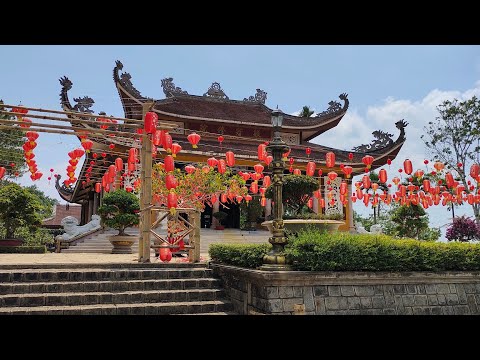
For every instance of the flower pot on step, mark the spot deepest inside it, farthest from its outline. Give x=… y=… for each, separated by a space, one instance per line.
x=122 y=244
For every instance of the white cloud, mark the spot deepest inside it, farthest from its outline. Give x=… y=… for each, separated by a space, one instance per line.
x=356 y=129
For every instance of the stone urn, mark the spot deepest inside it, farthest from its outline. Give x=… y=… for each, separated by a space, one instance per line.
x=122 y=244
x=295 y=225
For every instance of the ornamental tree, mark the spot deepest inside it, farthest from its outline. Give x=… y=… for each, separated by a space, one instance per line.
x=196 y=189
x=296 y=191
x=18 y=208
x=120 y=210
x=454 y=138
x=11 y=141
x=463 y=229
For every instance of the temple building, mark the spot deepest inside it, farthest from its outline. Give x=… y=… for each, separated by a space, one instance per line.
x=244 y=124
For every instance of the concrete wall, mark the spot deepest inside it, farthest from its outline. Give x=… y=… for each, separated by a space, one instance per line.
x=350 y=293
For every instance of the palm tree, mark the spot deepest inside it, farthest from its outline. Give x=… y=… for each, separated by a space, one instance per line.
x=306 y=112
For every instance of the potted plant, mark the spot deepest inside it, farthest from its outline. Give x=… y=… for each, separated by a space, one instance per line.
x=120 y=211
x=220 y=216
x=296 y=191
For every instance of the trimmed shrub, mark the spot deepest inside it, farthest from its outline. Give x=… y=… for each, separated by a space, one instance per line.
x=364 y=252
x=463 y=229
x=316 y=251
x=41 y=249
x=243 y=255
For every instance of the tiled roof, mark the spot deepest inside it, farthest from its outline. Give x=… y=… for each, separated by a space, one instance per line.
x=62 y=211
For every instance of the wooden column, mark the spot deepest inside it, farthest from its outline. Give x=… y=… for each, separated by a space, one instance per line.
x=349 y=209
x=90 y=208
x=145 y=193
x=215 y=208
x=194 y=254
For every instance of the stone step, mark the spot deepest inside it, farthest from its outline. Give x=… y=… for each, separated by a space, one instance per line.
x=107 y=286
x=91 y=298
x=165 y=308
x=133 y=265
x=91 y=274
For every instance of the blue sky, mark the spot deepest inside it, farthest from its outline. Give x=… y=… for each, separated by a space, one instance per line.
x=384 y=83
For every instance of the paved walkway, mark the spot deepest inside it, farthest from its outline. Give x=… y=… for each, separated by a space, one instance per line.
x=208 y=236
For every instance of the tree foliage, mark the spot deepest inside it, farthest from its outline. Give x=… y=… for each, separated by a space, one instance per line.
x=296 y=191
x=454 y=138
x=120 y=210
x=47 y=203
x=463 y=229
x=18 y=208
x=11 y=141
x=306 y=112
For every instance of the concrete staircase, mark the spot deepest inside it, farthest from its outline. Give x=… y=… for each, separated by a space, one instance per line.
x=111 y=289
x=98 y=243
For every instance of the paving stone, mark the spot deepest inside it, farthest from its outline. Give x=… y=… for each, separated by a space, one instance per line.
x=353 y=303
x=308 y=299
x=275 y=305
x=298 y=291
x=443 y=289
x=378 y=289
x=321 y=290
x=452 y=299
x=347 y=290
x=334 y=290
x=399 y=289
x=432 y=299
x=461 y=310
x=408 y=300
x=365 y=302
x=285 y=292
x=421 y=289
x=364 y=290
x=441 y=300
x=411 y=289
x=462 y=296
x=430 y=289
x=320 y=308
x=420 y=300
x=378 y=302
x=453 y=288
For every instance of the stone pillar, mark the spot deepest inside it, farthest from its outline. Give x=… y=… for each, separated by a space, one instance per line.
x=90 y=208
x=96 y=201
x=351 y=225
x=216 y=208
x=268 y=208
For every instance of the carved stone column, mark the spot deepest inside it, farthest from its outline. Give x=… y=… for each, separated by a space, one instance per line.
x=216 y=208
x=268 y=208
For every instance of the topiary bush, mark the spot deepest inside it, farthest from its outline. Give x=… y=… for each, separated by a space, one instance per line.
x=463 y=229
x=120 y=210
x=364 y=252
x=243 y=255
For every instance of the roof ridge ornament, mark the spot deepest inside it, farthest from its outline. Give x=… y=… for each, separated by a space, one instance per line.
x=215 y=91
x=335 y=106
x=259 y=97
x=125 y=79
x=382 y=139
x=169 y=88
x=83 y=104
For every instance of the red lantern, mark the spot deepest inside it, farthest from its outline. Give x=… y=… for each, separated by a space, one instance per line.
x=285 y=155
x=291 y=160
x=119 y=164
x=132 y=155
x=167 y=143
x=26 y=123
x=311 y=168
x=266 y=181
x=131 y=166
x=308 y=151
x=474 y=171
x=449 y=179
x=222 y=166
x=190 y=169
x=261 y=152
x=171 y=182
x=374 y=187
x=151 y=122
x=223 y=198
x=459 y=164
x=254 y=187
x=78 y=152
x=239 y=198
x=206 y=169
x=389 y=161
x=297 y=172
x=332 y=175
x=194 y=139
x=263 y=202
x=347 y=170
x=248 y=198
x=419 y=174
x=320 y=172
x=172 y=200
x=98 y=187
x=157 y=137
x=212 y=162
x=310 y=203
x=330 y=159
x=169 y=163
x=111 y=146
x=322 y=203
x=258 y=168
x=165 y=254
x=438 y=166
x=368 y=161
x=176 y=148
x=2 y=171
x=350 y=156
x=343 y=188
x=230 y=157
x=268 y=159
x=220 y=139
x=407 y=166
x=382 y=175
x=366 y=181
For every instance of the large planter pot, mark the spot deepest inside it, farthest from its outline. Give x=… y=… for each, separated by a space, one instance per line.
x=295 y=225
x=122 y=244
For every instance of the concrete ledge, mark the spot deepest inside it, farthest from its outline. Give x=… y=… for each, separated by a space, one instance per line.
x=336 y=293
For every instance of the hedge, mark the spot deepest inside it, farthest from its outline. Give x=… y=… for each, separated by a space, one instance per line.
x=39 y=249
x=243 y=255
x=314 y=251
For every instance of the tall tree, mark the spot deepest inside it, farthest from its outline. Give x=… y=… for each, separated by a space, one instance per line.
x=11 y=141
x=306 y=112
x=45 y=201
x=454 y=138
x=381 y=186
x=18 y=208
